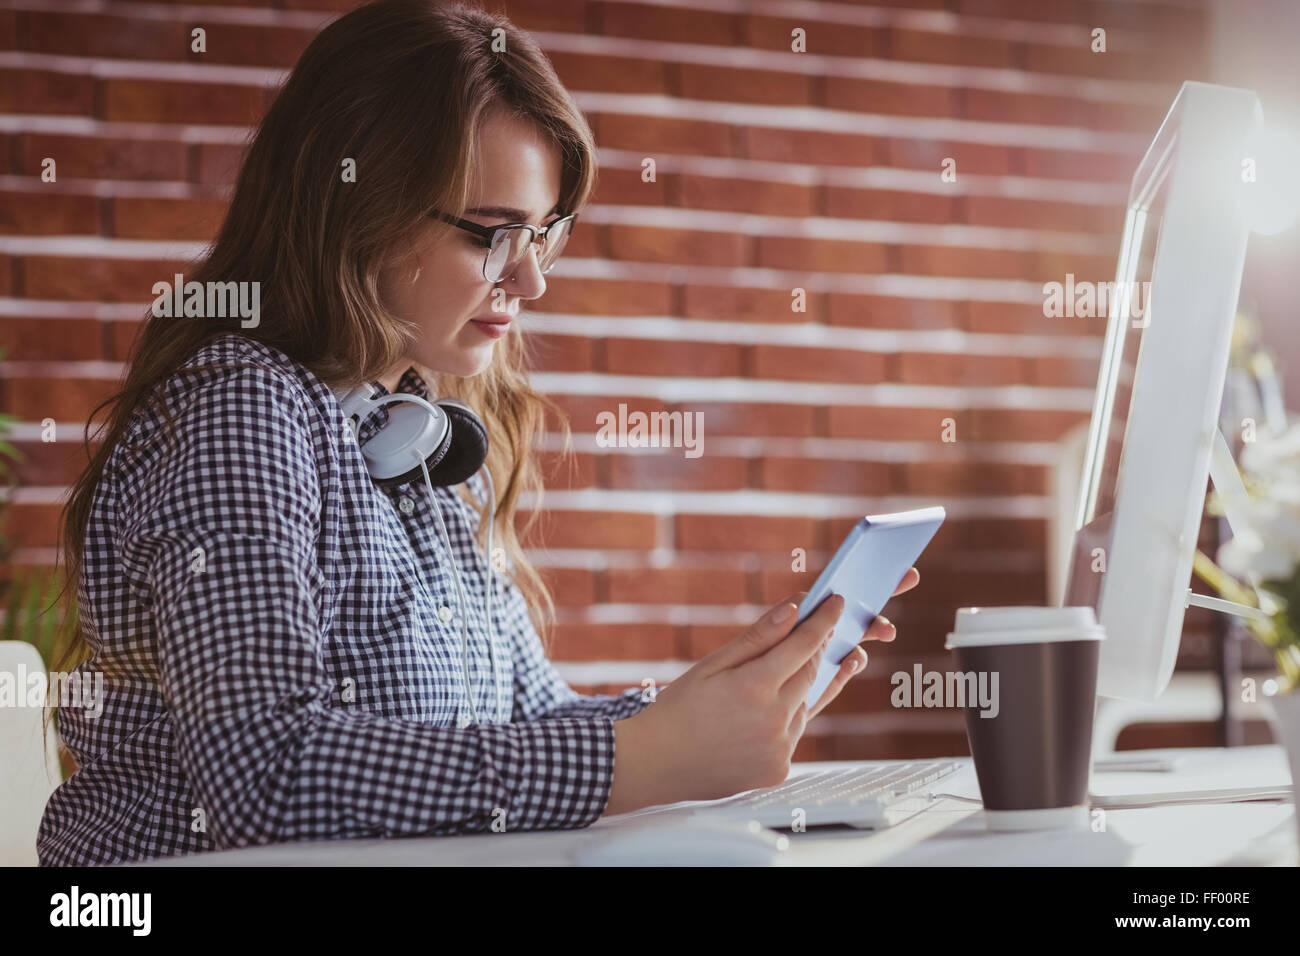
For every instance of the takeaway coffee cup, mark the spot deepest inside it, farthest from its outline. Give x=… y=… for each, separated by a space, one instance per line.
x=1033 y=751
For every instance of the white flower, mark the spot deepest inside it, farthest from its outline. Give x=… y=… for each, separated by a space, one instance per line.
x=1251 y=558
x=1272 y=455
x=1267 y=545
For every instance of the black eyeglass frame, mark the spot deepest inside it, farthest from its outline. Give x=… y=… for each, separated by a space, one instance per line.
x=490 y=233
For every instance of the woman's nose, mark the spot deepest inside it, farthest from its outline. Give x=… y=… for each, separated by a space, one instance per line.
x=527 y=281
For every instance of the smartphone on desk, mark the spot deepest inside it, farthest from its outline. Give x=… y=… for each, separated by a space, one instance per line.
x=868 y=566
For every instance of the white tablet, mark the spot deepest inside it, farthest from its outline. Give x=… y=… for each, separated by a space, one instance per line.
x=869 y=565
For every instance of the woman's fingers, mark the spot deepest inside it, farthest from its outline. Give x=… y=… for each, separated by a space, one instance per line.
x=910 y=580
x=854 y=664
x=757 y=638
x=783 y=661
x=880 y=629
x=794 y=691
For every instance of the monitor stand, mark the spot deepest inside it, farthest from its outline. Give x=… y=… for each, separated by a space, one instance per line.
x=1226 y=478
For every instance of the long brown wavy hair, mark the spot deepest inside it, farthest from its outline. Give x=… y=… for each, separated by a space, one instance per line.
x=401 y=87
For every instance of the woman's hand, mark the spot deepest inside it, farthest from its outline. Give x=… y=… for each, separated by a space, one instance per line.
x=732 y=721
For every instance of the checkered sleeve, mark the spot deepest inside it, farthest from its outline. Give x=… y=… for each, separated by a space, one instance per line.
x=220 y=538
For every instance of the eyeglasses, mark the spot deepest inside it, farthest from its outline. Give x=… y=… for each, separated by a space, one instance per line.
x=507 y=245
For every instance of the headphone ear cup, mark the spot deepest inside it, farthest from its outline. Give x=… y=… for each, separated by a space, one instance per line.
x=406 y=429
x=469 y=445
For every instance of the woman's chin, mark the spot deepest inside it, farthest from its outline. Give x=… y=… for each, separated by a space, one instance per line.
x=461 y=363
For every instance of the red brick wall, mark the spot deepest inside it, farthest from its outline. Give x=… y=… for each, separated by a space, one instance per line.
x=774 y=171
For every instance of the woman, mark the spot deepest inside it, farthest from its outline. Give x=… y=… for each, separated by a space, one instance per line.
x=280 y=637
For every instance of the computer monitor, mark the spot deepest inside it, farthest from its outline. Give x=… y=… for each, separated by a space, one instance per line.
x=1160 y=386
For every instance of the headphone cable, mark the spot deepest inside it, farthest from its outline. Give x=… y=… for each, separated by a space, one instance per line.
x=460 y=593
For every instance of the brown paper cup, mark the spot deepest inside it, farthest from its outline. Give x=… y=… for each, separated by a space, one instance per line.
x=1033 y=752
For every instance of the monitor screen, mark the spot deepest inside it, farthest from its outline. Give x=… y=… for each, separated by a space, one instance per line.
x=1168 y=331
x=1131 y=296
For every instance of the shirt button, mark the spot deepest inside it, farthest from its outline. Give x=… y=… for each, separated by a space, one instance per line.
x=406 y=504
x=444 y=614
x=463 y=721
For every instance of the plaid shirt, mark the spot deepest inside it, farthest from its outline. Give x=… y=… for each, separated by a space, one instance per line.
x=280 y=643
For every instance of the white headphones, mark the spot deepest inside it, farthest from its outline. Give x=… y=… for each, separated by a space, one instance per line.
x=447 y=444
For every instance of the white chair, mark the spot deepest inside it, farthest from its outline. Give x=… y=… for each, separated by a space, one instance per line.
x=1065 y=481
x=28 y=755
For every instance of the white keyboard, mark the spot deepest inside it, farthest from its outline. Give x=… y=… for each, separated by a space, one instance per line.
x=867 y=798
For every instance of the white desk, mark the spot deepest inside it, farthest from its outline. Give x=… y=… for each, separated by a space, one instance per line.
x=950 y=833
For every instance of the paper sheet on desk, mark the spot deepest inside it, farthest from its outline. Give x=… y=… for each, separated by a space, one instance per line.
x=1208 y=834
x=1133 y=801
x=1234 y=773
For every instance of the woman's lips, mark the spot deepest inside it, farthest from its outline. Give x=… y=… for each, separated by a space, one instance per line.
x=492 y=326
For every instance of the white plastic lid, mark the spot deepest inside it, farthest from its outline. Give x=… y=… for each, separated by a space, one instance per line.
x=988 y=626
